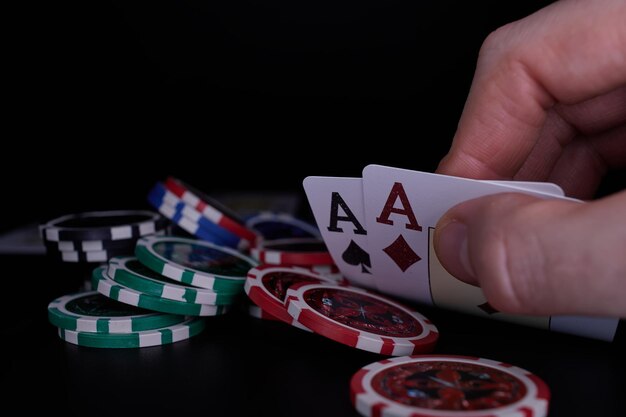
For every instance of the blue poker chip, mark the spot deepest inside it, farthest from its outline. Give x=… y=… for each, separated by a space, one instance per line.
x=186 y=218
x=272 y=226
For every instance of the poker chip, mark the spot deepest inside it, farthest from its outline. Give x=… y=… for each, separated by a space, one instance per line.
x=95 y=313
x=272 y=226
x=447 y=386
x=322 y=269
x=106 y=286
x=360 y=319
x=303 y=251
x=257 y=312
x=131 y=273
x=328 y=271
x=103 y=225
x=210 y=209
x=162 y=336
x=267 y=287
x=93 y=245
x=91 y=256
x=190 y=220
x=194 y=262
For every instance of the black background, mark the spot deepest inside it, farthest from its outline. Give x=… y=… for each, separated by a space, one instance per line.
x=92 y=87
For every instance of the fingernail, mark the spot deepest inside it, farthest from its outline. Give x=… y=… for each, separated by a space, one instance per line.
x=453 y=253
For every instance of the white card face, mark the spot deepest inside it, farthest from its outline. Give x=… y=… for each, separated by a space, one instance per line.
x=337 y=205
x=402 y=208
x=541 y=187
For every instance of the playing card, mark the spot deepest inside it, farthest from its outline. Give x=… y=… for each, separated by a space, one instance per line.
x=541 y=187
x=402 y=208
x=337 y=205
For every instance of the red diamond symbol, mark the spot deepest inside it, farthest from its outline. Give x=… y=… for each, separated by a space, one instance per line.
x=401 y=253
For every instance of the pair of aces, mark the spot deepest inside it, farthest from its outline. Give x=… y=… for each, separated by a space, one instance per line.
x=379 y=231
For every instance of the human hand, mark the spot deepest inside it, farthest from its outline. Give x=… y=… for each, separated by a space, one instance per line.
x=548 y=103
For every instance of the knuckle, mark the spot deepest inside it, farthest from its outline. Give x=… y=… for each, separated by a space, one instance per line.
x=498 y=41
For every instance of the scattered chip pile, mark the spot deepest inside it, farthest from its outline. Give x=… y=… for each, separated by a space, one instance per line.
x=152 y=288
x=146 y=276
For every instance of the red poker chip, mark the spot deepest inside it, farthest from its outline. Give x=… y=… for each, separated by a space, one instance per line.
x=267 y=286
x=447 y=386
x=297 y=251
x=211 y=209
x=322 y=269
x=361 y=319
x=328 y=271
x=257 y=312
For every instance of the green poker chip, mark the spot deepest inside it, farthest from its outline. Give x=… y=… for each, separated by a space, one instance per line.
x=106 y=286
x=155 y=337
x=194 y=262
x=131 y=273
x=94 y=313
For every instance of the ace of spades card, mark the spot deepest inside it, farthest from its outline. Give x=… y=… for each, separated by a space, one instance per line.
x=337 y=205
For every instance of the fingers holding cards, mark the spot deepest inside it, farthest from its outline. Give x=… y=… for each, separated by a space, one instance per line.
x=343 y=217
x=402 y=207
x=379 y=231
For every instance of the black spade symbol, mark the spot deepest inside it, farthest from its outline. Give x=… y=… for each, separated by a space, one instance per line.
x=355 y=255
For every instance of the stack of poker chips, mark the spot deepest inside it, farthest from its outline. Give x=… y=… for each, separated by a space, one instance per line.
x=353 y=316
x=288 y=241
x=97 y=236
x=200 y=215
x=169 y=280
x=294 y=251
x=298 y=283
x=91 y=319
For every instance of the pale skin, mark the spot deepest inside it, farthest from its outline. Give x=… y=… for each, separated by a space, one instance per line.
x=547 y=103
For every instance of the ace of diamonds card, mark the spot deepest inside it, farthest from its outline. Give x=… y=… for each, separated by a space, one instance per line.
x=402 y=208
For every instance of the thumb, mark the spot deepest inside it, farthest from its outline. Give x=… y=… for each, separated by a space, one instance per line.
x=535 y=256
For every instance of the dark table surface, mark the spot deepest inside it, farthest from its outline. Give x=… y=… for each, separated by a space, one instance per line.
x=242 y=366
